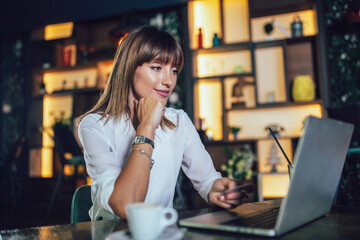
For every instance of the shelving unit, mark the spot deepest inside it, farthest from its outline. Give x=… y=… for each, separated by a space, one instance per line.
x=68 y=90
x=262 y=69
x=67 y=104
x=72 y=89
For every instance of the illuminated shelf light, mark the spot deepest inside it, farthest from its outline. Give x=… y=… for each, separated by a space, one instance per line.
x=58 y=31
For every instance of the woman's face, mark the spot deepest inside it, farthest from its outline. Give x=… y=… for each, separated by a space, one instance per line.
x=155 y=80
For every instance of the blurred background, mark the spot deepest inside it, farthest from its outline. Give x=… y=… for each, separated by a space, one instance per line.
x=249 y=65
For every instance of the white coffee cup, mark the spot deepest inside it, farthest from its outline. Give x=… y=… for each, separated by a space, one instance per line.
x=148 y=221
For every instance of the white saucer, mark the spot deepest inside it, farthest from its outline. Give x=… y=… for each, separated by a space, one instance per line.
x=170 y=233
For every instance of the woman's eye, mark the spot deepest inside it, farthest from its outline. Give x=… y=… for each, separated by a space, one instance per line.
x=156 y=68
x=175 y=71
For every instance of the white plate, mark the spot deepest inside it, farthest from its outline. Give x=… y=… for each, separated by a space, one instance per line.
x=170 y=233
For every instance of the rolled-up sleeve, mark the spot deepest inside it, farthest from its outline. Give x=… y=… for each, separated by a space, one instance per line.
x=197 y=163
x=102 y=164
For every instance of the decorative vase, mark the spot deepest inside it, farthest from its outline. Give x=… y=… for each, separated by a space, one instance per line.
x=297 y=27
x=235 y=135
x=66 y=56
x=303 y=89
x=268 y=29
x=216 y=40
x=200 y=38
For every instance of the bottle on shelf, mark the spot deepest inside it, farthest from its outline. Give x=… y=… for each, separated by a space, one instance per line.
x=200 y=38
x=297 y=27
x=68 y=55
x=216 y=40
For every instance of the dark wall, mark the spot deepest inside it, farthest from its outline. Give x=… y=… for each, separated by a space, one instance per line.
x=13 y=95
x=343 y=24
x=23 y=15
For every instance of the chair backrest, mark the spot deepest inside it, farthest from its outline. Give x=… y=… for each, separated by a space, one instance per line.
x=81 y=204
x=65 y=142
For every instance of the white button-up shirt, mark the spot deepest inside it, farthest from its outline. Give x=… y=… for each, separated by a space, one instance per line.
x=107 y=148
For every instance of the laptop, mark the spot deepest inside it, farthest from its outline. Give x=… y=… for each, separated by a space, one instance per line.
x=317 y=167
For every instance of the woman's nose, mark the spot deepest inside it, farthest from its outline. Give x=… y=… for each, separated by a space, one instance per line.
x=166 y=79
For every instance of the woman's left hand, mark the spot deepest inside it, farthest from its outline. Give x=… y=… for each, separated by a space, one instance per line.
x=228 y=200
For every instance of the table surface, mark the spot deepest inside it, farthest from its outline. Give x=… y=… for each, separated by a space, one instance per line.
x=340 y=223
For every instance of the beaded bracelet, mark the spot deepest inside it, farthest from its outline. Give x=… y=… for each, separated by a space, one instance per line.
x=152 y=161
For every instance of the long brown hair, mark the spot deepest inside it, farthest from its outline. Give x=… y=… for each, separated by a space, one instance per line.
x=141 y=45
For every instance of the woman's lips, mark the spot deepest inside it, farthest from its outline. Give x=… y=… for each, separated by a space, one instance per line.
x=164 y=93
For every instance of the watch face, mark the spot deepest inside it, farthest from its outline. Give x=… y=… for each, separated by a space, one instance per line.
x=138 y=140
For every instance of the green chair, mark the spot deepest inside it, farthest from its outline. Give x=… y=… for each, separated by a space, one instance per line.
x=65 y=142
x=81 y=204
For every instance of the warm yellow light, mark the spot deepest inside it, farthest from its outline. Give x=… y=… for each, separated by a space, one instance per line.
x=209 y=134
x=205 y=15
x=308 y=18
x=53 y=107
x=60 y=30
x=248 y=92
x=270 y=75
x=46 y=233
x=210 y=106
x=83 y=78
x=120 y=40
x=223 y=63
x=253 y=121
x=274 y=185
x=46 y=162
x=104 y=70
x=236 y=21
x=267 y=148
x=69 y=170
x=88 y=180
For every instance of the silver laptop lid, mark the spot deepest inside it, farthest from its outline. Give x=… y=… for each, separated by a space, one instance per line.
x=318 y=163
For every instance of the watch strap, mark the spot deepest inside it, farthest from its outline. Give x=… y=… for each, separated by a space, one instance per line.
x=142 y=139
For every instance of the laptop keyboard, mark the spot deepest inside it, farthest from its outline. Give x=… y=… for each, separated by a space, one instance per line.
x=264 y=219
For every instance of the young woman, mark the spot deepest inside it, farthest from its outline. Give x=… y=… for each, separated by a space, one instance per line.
x=134 y=146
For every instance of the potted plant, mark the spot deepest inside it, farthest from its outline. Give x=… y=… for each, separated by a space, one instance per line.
x=62 y=123
x=275 y=127
x=234 y=130
x=240 y=163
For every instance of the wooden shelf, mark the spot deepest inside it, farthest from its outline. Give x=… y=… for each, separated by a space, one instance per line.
x=270 y=66
x=279 y=42
x=273 y=173
x=270 y=43
x=75 y=90
x=249 y=74
x=224 y=48
x=276 y=105
x=300 y=39
x=236 y=142
x=66 y=69
x=69 y=91
x=263 y=8
x=246 y=140
x=90 y=64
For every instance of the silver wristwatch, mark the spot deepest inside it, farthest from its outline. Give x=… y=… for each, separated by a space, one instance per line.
x=142 y=139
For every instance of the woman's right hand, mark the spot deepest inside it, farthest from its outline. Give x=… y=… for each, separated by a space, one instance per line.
x=134 y=177
x=149 y=111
